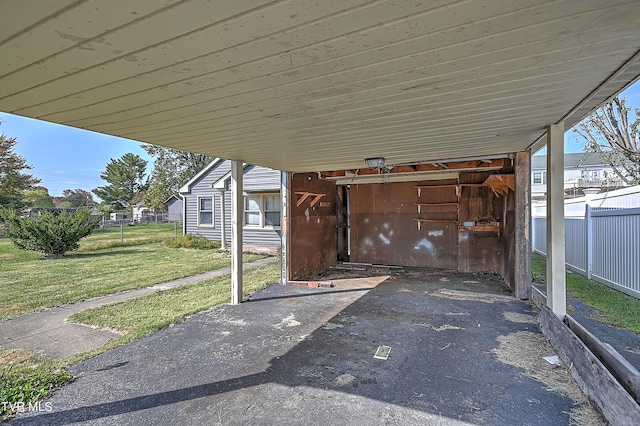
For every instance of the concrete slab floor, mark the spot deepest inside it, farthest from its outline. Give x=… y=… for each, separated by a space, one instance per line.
x=294 y=355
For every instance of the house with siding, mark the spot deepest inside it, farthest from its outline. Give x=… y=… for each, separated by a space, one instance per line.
x=175 y=208
x=581 y=171
x=207 y=205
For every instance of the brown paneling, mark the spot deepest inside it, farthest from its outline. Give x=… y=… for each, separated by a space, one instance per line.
x=479 y=251
x=508 y=242
x=384 y=227
x=312 y=234
x=384 y=230
x=478 y=203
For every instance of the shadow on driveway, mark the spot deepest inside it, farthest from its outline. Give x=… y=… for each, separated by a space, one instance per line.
x=296 y=355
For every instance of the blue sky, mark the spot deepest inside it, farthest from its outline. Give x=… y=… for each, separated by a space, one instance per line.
x=65 y=157
x=68 y=158
x=572 y=142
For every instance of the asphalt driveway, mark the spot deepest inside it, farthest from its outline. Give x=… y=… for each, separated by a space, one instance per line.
x=295 y=355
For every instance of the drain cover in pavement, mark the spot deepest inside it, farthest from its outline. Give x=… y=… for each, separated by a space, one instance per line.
x=382 y=352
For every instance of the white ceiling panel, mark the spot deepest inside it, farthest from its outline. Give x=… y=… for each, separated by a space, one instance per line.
x=311 y=85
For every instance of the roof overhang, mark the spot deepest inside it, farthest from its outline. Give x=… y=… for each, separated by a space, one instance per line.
x=318 y=85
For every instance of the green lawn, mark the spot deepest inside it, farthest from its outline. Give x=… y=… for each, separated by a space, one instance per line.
x=129 y=235
x=617 y=308
x=143 y=315
x=30 y=282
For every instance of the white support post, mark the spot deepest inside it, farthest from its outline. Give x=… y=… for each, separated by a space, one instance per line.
x=223 y=221
x=556 y=278
x=284 y=226
x=237 y=220
x=588 y=221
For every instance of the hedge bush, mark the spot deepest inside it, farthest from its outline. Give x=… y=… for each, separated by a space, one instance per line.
x=52 y=234
x=193 y=241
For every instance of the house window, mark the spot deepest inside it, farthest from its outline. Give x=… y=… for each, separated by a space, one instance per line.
x=262 y=210
x=252 y=211
x=272 y=210
x=540 y=178
x=205 y=211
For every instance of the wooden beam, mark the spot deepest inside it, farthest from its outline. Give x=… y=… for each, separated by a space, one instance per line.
x=593 y=378
x=522 y=257
x=427 y=167
x=403 y=169
x=306 y=195
x=316 y=199
x=301 y=200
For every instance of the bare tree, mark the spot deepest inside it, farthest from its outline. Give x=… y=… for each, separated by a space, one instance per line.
x=609 y=133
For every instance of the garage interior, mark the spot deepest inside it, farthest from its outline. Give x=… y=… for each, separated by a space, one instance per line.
x=455 y=215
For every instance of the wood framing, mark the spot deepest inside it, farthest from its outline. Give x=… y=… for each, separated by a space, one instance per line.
x=522 y=260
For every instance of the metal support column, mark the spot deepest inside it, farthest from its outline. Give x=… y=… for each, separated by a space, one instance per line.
x=556 y=278
x=237 y=221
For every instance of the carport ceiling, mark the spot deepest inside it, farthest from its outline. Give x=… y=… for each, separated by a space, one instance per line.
x=310 y=85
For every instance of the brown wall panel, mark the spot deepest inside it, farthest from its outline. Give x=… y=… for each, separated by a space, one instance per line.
x=384 y=230
x=312 y=238
x=479 y=251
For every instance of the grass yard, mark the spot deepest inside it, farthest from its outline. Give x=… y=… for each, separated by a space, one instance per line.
x=617 y=308
x=141 y=316
x=30 y=282
x=129 y=235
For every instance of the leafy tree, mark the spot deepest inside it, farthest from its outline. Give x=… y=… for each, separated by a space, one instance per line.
x=13 y=182
x=609 y=133
x=49 y=233
x=38 y=196
x=73 y=198
x=172 y=168
x=126 y=177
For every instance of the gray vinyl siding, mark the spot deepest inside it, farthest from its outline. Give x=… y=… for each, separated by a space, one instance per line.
x=175 y=209
x=261 y=179
x=256 y=179
x=202 y=188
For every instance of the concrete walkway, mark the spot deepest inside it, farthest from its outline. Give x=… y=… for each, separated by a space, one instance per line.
x=48 y=333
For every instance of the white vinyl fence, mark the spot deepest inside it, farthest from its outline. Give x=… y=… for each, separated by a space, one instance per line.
x=602 y=237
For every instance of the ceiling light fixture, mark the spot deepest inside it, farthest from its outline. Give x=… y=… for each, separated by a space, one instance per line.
x=374 y=162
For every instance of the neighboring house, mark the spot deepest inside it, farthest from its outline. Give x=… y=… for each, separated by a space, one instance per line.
x=581 y=171
x=138 y=211
x=175 y=208
x=205 y=212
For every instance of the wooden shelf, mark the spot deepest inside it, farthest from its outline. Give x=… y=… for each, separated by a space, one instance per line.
x=480 y=228
x=437 y=220
x=421 y=221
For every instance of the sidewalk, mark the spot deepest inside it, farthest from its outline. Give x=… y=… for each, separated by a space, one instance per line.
x=48 y=333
